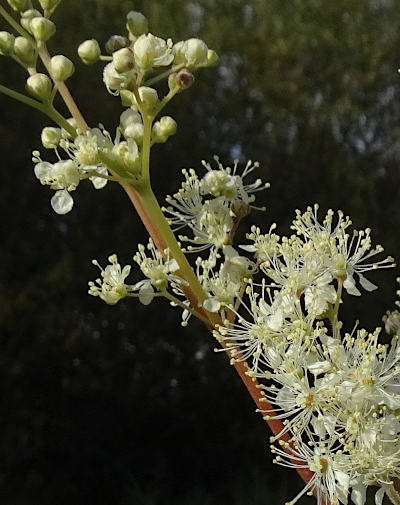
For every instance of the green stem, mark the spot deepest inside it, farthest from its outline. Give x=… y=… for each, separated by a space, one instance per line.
x=167 y=73
x=147 y=123
x=178 y=302
x=156 y=215
x=17 y=27
x=63 y=90
x=47 y=109
x=335 y=321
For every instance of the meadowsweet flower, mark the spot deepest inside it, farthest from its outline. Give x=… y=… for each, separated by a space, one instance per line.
x=158 y=268
x=111 y=286
x=226 y=182
x=63 y=176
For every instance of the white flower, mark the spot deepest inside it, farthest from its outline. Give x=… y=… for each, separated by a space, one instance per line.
x=158 y=268
x=151 y=51
x=226 y=182
x=111 y=287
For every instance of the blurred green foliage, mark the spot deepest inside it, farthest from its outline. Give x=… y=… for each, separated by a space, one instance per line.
x=120 y=405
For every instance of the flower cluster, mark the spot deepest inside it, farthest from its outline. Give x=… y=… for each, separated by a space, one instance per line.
x=134 y=63
x=212 y=206
x=337 y=398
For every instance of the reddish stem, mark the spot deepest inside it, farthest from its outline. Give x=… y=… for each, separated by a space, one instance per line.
x=241 y=367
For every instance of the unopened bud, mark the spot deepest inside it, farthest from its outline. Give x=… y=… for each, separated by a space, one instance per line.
x=137 y=23
x=212 y=58
x=134 y=131
x=72 y=121
x=196 y=53
x=27 y=16
x=61 y=67
x=163 y=129
x=39 y=86
x=18 y=5
x=115 y=43
x=49 y=5
x=24 y=50
x=127 y=98
x=6 y=43
x=129 y=117
x=149 y=97
x=51 y=137
x=42 y=28
x=185 y=79
x=123 y=60
x=89 y=51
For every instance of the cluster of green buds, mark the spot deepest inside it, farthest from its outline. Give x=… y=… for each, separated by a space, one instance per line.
x=135 y=62
x=27 y=47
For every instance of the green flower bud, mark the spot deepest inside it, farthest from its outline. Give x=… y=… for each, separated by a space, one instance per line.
x=163 y=129
x=49 y=5
x=89 y=51
x=127 y=98
x=137 y=23
x=129 y=117
x=149 y=97
x=116 y=42
x=66 y=135
x=51 y=137
x=196 y=53
x=25 y=51
x=42 y=29
x=124 y=60
x=212 y=58
x=6 y=43
x=27 y=16
x=39 y=86
x=18 y=5
x=135 y=132
x=61 y=67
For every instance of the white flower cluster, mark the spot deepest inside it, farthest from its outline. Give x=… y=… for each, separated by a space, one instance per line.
x=211 y=207
x=159 y=270
x=338 y=398
x=84 y=162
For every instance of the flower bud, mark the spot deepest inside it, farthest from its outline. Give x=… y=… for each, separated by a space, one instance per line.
x=61 y=67
x=49 y=5
x=127 y=98
x=129 y=117
x=116 y=42
x=6 y=43
x=42 y=28
x=137 y=23
x=64 y=133
x=89 y=51
x=51 y=137
x=135 y=132
x=163 y=129
x=148 y=96
x=196 y=53
x=212 y=58
x=24 y=50
x=116 y=81
x=18 y=5
x=27 y=16
x=123 y=60
x=131 y=125
x=39 y=86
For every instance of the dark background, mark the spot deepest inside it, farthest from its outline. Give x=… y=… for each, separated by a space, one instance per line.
x=120 y=405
